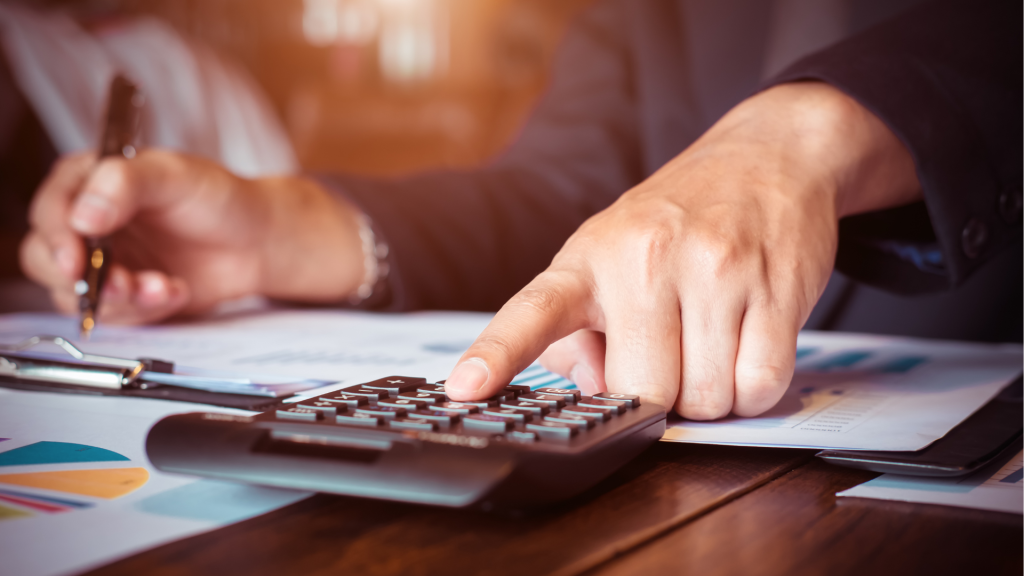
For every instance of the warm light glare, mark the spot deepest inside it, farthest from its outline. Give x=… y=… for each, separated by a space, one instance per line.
x=411 y=35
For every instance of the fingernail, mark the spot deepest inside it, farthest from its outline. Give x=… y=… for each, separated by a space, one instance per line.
x=468 y=377
x=65 y=261
x=152 y=291
x=583 y=377
x=92 y=214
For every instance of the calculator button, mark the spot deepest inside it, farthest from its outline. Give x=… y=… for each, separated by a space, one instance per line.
x=385 y=412
x=606 y=405
x=502 y=396
x=533 y=407
x=514 y=413
x=524 y=437
x=552 y=430
x=413 y=424
x=421 y=397
x=630 y=400
x=444 y=419
x=571 y=419
x=518 y=389
x=366 y=393
x=396 y=384
x=570 y=396
x=297 y=413
x=483 y=423
x=590 y=413
x=328 y=408
x=402 y=403
x=435 y=390
x=549 y=400
x=359 y=419
x=485 y=403
x=350 y=400
x=456 y=407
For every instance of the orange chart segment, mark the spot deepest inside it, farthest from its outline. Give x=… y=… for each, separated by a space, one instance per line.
x=109 y=483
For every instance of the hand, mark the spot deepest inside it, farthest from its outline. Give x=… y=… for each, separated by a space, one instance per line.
x=691 y=288
x=186 y=234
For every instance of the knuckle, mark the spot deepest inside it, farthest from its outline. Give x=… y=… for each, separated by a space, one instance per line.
x=717 y=252
x=33 y=255
x=704 y=399
x=702 y=409
x=759 y=382
x=542 y=297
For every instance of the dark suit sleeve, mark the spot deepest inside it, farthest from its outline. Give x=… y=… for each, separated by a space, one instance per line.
x=470 y=240
x=946 y=78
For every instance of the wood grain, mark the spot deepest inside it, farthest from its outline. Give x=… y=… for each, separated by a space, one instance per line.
x=795 y=525
x=663 y=488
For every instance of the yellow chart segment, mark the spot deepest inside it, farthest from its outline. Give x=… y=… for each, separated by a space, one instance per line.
x=106 y=483
x=7 y=513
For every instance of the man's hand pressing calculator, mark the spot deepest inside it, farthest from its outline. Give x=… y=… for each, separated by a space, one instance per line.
x=402 y=438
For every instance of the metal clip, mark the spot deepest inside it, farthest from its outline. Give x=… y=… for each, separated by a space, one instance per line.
x=81 y=369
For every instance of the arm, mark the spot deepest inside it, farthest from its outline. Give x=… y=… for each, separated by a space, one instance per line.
x=691 y=288
x=946 y=79
x=470 y=240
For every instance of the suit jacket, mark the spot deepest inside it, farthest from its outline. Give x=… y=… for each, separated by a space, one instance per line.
x=637 y=82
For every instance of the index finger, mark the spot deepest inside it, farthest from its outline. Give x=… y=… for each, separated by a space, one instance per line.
x=555 y=304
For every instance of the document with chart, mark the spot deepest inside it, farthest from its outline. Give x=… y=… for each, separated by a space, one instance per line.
x=999 y=487
x=862 y=392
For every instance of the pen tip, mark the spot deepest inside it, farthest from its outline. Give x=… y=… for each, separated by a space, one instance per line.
x=86 y=328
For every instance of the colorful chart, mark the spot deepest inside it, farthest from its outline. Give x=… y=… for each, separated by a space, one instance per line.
x=858 y=360
x=28 y=493
x=537 y=377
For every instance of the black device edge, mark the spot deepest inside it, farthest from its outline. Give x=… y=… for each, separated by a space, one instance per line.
x=967 y=447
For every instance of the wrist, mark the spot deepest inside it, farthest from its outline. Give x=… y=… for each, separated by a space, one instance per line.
x=312 y=251
x=860 y=160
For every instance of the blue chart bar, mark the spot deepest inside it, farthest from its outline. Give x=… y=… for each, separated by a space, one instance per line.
x=48 y=499
x=537 y=377
x=803 y=352
x=841 y=360
x=902 y=364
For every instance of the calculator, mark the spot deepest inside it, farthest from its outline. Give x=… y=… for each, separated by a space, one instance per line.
x=402 y=438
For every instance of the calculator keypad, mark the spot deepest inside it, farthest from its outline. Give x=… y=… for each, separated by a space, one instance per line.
x=515 y=414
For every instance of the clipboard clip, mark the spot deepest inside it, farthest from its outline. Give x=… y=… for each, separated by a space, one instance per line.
x=81 y=369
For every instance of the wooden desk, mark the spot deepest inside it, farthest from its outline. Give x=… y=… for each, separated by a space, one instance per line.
x=678 y=509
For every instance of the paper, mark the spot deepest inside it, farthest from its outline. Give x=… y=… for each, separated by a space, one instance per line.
x=861 y=392
x=77 y=491
x=340 y=347
x=998 y=487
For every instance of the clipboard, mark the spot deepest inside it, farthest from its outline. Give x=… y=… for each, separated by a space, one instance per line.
x=79 y=372
x=970 y=445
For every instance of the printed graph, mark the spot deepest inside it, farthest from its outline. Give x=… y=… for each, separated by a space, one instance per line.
x=811 y=359
x=537 y=377
x=50 y=487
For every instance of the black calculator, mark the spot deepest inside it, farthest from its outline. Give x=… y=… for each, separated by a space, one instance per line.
x=401 y=438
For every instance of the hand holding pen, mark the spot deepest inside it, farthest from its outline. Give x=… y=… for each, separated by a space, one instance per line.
x=123 y=112
x=186 y=235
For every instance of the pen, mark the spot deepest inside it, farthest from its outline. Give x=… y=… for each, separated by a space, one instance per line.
x=123 y=111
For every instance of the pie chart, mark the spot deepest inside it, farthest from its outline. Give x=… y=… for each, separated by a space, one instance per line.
x=62 y=477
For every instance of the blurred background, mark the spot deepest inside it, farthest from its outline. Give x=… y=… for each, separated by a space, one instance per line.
x=375 y=87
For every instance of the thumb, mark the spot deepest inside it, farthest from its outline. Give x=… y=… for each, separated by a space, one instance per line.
x=554 y=305
x=118 y=188
x=107 y=200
